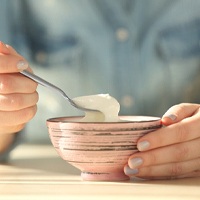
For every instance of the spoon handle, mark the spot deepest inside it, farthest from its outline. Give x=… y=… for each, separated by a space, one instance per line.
x=45 y=83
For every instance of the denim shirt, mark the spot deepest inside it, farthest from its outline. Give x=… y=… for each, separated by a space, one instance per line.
x=146 y=54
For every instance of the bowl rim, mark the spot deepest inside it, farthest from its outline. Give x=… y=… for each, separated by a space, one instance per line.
x=59 y=120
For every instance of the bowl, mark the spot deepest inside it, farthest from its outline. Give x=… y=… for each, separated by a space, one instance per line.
x=99 y=149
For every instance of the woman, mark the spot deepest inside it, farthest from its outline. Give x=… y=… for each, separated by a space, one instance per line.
x=145 y=54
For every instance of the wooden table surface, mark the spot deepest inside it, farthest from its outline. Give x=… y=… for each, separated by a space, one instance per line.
x=37 y=172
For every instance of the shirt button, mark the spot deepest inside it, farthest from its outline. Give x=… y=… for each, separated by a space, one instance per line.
x=127 y=101
x=122 y=34
x=41 y=57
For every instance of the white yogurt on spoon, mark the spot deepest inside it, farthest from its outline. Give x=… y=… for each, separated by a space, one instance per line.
x=107 y=106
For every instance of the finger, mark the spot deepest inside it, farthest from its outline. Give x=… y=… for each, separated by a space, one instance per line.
x=195 y=173
x=12 y=50
x=16 y=83
x=3 y=48
x=14 y=118
x=7 y=49
x=169 y=154
x=12 y=63
x=166 y=170
x=179 y=112
x=185 y=130
x=12 y=102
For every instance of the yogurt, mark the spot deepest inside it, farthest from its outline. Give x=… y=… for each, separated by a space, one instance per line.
x=107 y=108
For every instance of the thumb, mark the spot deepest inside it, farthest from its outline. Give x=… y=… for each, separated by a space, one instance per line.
x=7 y=49
x=4 y=49
x=179 y=112
x=9 y=61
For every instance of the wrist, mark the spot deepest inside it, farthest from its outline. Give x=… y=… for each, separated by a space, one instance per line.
x=6 y=140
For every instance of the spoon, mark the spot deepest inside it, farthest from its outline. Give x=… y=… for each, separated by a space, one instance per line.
x=53 y=87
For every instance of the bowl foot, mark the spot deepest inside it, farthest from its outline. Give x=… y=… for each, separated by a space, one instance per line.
x=96 y=176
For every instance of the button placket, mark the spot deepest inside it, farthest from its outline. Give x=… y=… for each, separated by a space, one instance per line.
x=122 y=34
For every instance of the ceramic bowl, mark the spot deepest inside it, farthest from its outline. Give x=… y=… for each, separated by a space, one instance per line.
x=99 y=149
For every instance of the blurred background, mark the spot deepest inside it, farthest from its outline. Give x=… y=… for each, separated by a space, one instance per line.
x=146 y=54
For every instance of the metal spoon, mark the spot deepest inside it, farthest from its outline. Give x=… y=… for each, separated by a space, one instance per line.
x=53 y=87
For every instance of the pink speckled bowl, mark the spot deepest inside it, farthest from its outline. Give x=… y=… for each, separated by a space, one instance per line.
x=99 y=150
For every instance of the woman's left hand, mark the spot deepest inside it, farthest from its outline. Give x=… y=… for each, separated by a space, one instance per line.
x=172 y=151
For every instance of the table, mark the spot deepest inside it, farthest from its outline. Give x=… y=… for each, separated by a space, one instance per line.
x=37 y=172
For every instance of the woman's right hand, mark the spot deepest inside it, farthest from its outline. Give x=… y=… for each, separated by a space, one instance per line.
x=18 y=96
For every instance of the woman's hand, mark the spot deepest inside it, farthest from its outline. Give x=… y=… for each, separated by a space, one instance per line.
x=172 y=151
x=18 y=96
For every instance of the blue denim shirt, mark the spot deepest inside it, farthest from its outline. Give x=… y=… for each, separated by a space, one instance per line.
x=146 y=54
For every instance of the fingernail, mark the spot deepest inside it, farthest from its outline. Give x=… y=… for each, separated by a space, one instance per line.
x=22 y=64
x=142 y=146
x=128 y=171
x=171 y=116
x=135 y=162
